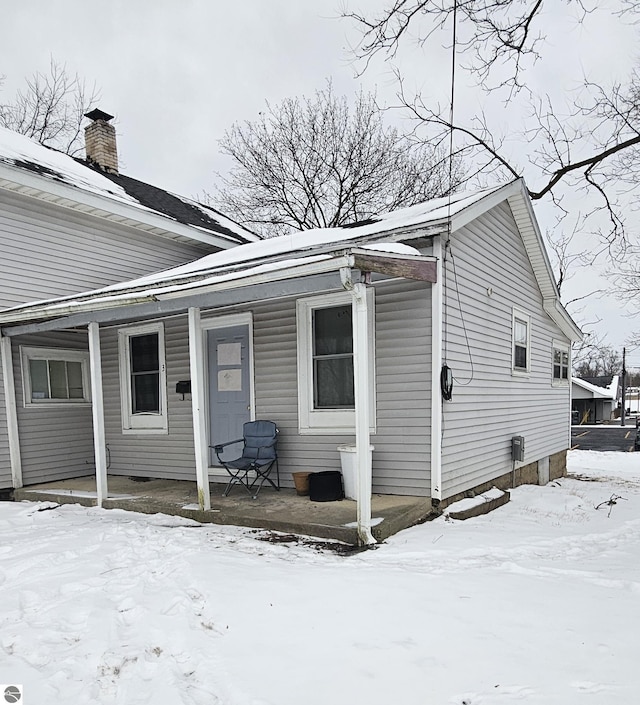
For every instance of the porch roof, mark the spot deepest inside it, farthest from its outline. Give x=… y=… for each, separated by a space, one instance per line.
x=301 y=255
x=373 y=245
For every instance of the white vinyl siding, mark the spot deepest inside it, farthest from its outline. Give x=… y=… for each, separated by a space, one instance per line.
x=403 y=401
x=490 y=403
x=403 y=397
x=166 y=455
x=50 y=251
x=56 y=440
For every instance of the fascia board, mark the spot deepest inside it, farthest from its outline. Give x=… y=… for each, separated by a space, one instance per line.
x=134 y=215
x=482 y=205
x=562 y=319
x=101 y=301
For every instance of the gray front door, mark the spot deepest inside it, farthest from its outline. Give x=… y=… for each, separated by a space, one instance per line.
x=229 y=389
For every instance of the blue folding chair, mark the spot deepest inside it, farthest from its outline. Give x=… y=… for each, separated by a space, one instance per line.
x=259 y=456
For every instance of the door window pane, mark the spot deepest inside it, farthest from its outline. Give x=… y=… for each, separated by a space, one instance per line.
x=144 y=353
x=145 y=395
x=145 y=373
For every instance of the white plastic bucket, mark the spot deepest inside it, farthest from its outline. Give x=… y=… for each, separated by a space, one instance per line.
x=348 y=463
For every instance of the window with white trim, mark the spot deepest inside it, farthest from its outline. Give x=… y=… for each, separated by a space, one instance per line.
x=326 y=393
x=521 y=328
x=55 y=376
x=560 y=363
x=143 y=381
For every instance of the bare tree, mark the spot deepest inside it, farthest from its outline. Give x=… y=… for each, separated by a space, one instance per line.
x=590 y=143
x=50 y=108
x=594 y=359
x=318 y=162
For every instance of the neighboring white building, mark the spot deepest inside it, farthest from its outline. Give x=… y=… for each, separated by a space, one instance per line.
x=593 y=403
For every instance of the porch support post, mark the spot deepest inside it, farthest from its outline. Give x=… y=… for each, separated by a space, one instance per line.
x=12 y=411
x=97 y=411
x=363 y=415
x=436 y=366
x=196 y=364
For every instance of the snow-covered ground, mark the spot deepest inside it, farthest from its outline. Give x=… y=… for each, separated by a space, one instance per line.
x=538 y=602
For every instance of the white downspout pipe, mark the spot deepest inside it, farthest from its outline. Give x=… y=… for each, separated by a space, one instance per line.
x=198 y=397
x=15 y=458
x=436 y=366
x=97 y=412
x=362 y=404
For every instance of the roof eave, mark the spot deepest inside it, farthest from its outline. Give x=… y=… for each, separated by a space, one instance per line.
x=137 y=216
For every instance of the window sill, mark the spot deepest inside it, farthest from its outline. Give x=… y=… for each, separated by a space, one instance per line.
x=145 y=431
x=57 y=405
x=520 y=373
x=330 y=431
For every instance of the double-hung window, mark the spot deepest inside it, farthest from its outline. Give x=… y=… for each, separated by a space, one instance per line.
x=55 y=376
x=560 y=363
x=521 y=331
x=332 y=353
x=326 y=391
x=143 y=384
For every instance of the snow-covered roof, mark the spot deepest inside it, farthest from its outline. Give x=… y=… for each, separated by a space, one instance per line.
x=29 y=167
x=609 y=392
x=281 y=256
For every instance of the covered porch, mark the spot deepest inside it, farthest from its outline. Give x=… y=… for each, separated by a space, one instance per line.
x=282 y=511
x=273 y=300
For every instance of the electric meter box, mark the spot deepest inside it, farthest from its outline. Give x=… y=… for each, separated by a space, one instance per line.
x=517 y=448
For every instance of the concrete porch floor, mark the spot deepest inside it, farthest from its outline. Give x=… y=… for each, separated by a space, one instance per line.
x=277 y=511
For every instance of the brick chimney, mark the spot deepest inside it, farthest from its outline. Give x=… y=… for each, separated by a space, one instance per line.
x=100 y=141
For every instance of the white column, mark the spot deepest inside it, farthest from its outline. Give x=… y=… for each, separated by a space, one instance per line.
x=97 y=410
x=436 y=366
x=12 y=411
x=363 y=407
x=198 y=397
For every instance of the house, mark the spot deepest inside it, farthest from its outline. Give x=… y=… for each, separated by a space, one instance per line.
x=68 y=225
x=594 y=399
x=434 y=333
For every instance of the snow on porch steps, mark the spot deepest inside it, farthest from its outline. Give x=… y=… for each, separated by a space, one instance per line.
x=476 y=506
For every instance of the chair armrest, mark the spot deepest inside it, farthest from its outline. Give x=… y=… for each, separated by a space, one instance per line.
x=219 y=446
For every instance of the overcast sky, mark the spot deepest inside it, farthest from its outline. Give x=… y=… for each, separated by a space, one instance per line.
x=177 y=73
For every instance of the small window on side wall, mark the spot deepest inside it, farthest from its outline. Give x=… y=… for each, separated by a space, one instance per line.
x=143 y=385
x=55 y=376
x=521 y=330
x=560 y=364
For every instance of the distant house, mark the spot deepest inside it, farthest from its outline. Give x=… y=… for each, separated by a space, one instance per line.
x=434 y=333
x=68 y=225
x=594 y=398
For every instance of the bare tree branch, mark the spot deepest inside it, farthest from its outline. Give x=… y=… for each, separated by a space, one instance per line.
x=319 y=162
x=50 y=108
